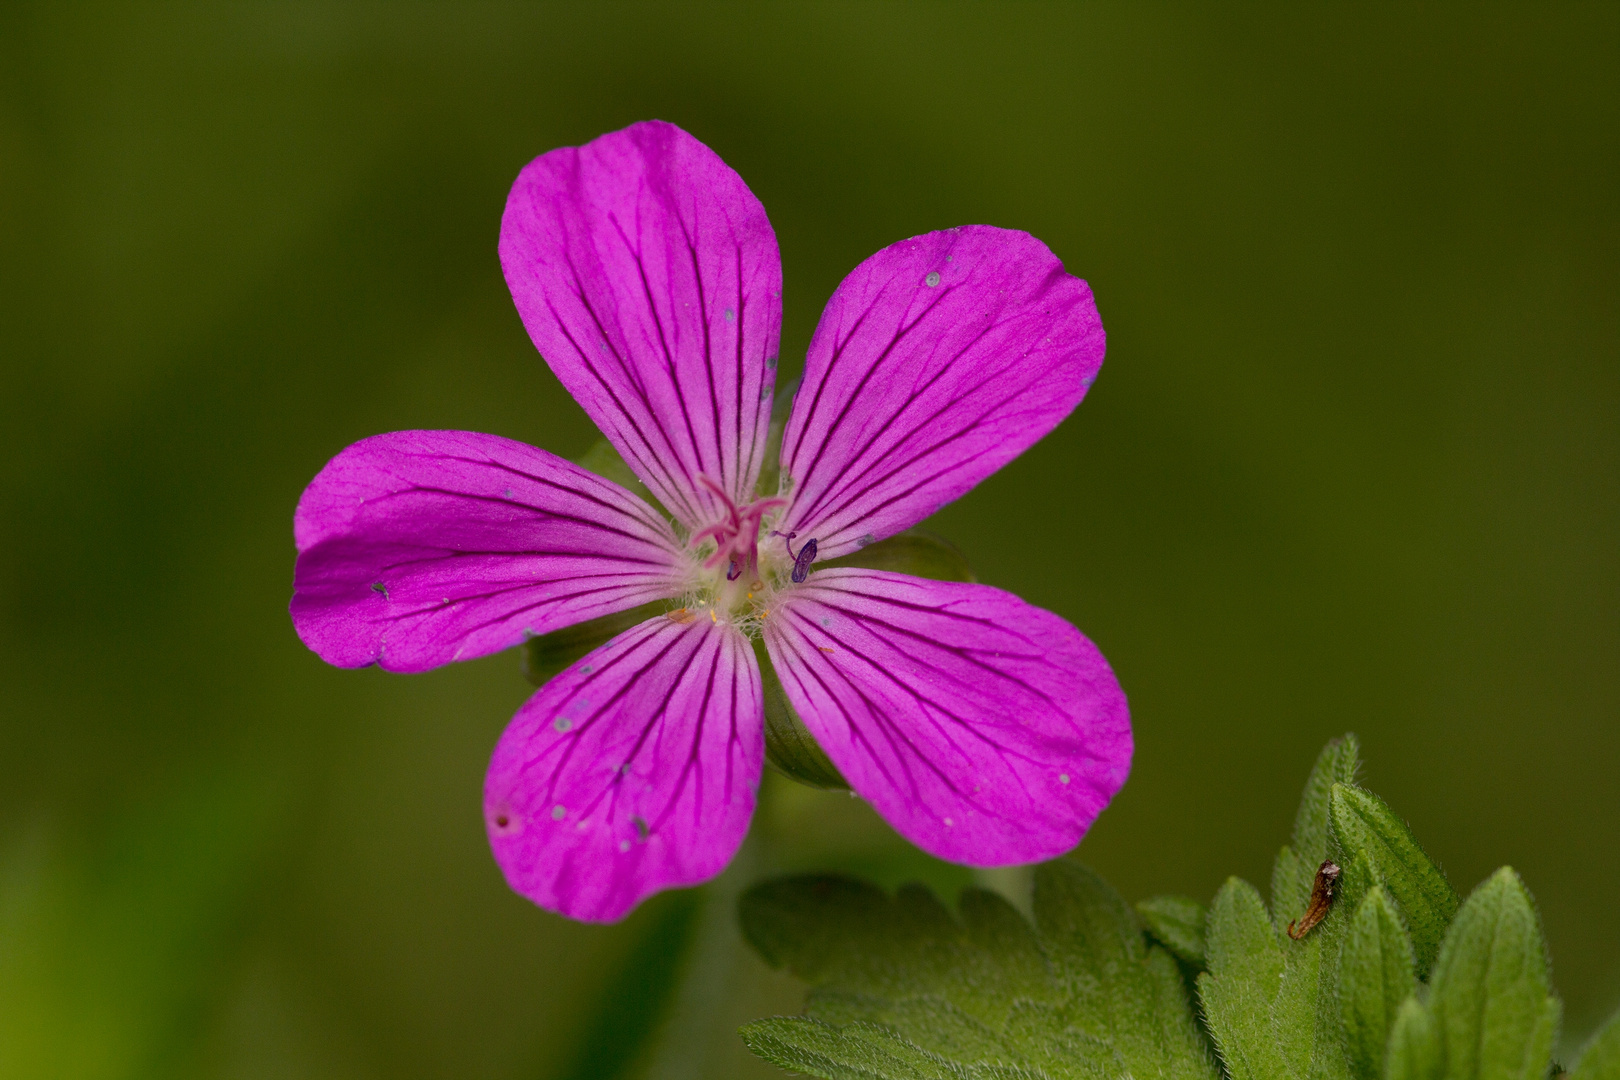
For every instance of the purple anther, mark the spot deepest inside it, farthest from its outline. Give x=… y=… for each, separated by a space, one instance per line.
x=802 y=561
x=735 y=571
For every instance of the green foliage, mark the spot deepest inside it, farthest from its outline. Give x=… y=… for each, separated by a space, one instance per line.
x=1600 y=1060
x=1295 y=868
x=900 y=988
x=1414 y=1045
x=1376 y=974
x=1491 y=989
x=1376 y=847
x=1177 y=923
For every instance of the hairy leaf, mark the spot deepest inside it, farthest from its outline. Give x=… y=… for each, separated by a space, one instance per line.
x=901 y=988
x=1240 y=987
x=1270 y=1001
x=1600 y=1060
x=1490 y=992
x=1296 y=865
x=1176 y=922
x=1375 y=847
x=1376 y=973
x=1414 y=1045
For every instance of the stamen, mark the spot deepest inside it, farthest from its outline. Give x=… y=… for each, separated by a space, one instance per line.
x=735 y=571
x=802 y=561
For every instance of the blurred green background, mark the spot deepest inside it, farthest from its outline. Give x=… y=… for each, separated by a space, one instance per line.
x=1352 y=463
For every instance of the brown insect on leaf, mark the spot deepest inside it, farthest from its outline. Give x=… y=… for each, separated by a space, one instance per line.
x=1323 y=891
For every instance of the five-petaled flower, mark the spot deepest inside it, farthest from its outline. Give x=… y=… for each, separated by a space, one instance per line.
x=985 y=730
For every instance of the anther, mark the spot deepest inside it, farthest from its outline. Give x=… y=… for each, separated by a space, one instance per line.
x=802 y=561
x=735 y=570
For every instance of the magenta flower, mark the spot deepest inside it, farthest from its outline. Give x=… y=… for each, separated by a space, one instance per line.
x=985 y=730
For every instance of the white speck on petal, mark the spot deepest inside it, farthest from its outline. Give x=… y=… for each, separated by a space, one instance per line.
x=624 y=845
x=1063 y=778
x=948 y=821
x=932 y=279
x=562 y=723
x=558 y=813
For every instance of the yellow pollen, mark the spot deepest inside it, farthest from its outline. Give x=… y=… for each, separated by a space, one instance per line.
x=713 y=617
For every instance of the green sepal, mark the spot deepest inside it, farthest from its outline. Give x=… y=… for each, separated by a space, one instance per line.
x=605 y=461
x=917 y=552
x=1490 y=992
x=546 y=655
x=1600 y=1060
x=901 y=988
x=1414 y=1045
x=1177 y=922
x=1295 y=869
x=790 y=749
x=1374 y=846
x=1376 y=973
x=770 y=469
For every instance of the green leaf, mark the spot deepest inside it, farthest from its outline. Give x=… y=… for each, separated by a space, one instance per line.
x=858 y=1051
x=1414 y=1045
x=917 y=552
x=1490 y=992
x=1600 y=1060
x=1376 y=973
x=1270 y=1001
x=1177 y=922
x=1295 y=869
x=1375 y=847
x=901 y=988
x=1239 y=989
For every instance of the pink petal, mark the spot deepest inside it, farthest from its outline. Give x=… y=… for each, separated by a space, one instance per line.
x=985 y=730
x=422 y=547
x=632 y=771
x=937 y=361
x=648 y=276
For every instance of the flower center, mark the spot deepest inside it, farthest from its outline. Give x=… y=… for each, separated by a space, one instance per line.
x=738 y=579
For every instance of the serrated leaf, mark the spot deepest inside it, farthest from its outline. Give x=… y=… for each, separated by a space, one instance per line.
x=1296 y=864
x=1238 y=991
x=1376 y=973
x=1490 y=991
x=1177 y=922
x=901 y=988
x=1120 y=990
x=1375 y=847
x=1269 y=1000
x=858 y=1051
x=1414 y=1045
x=1600 y=1060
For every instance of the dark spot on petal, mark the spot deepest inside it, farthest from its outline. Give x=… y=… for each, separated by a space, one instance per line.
x=380 y=589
